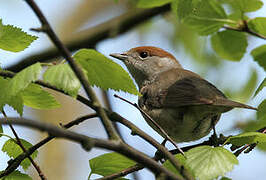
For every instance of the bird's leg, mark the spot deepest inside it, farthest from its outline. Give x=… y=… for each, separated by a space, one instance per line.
x=214 y=135
x=153 y=122
x=164 y=142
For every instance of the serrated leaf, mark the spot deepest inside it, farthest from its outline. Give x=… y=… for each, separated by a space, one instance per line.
x=36 y=97
x=258 y=25
x=259 y=55
x=109 y=163
x=261 y=113
x=16 y=175
x=14 y=39
x=181 y=159
x=261 y=86
x=63 y=78
x=152 y=3
x=210 y=162
x=103 y=72
x=15 y=102
x=22 y=79
x=12 y=149
x=248 y=138
x=229 y=45
x=246 y=5
x=205 y=17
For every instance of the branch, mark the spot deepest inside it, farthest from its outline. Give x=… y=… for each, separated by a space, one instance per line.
x=111 y=132
x=89 y=38
x=157 y=157
x=88 y=142
x=13 y=164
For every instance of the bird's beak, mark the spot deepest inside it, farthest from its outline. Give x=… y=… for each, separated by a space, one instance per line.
x=121 y=57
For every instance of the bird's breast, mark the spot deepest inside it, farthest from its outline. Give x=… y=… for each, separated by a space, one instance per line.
x=183 y=124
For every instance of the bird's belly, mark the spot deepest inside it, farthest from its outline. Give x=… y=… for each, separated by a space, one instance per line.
x=183 y=124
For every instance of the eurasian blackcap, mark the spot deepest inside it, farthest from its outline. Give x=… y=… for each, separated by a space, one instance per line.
x=185 y=105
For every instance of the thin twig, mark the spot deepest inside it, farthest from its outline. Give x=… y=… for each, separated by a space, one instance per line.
x=38 y=169
x=153 y=122
x=112 y=134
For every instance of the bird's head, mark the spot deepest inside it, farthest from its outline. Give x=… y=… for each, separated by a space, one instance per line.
x=146 y=62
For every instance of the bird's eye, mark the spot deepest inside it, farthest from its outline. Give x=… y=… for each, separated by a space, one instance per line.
x=143 y=54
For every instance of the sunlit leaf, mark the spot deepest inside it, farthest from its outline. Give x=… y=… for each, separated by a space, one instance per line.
x=261 y=86
x=261 y=113
x=13 y=38
x=13 y=150
x=16 y=175
x=34 y=96
x=182 y=161
x=259 y=55
x=15 y=102
x=258 y=25
x=229 y=45
x=103 y=72
x=246 y=5
x=63 y=78
x=205 y=17
x=22 y=79
x=152 y=3
x=210 y=162
x=109 y=163
x=248 y=138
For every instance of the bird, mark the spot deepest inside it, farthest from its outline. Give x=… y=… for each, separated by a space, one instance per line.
x=186 y=106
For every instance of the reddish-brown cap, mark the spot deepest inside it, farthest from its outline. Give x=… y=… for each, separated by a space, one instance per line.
x=152 y=51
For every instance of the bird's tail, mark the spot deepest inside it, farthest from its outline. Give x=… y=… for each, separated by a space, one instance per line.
x=232 y=104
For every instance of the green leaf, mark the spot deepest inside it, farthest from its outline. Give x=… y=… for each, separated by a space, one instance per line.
x=225 y=178
x=22 y=79
x=13 y=150
x=15 y=102
x=261 y=113
x=210 y=162
x=245 y=92
x=36 y=97
x=168 y=165
x=246 y=5
x=248 y=138
x=261 y=86
x=109 y=163
x=103 y=72
x=229 y=45
x=258 y=25
x=16 y=175
x=63 y=78
x=14 y=39
x=152 y=3
x=259 y=55
x=206 y=17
